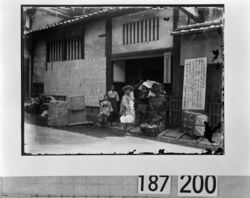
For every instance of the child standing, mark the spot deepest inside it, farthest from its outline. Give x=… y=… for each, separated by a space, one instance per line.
x=127 y=108
x=114 y=99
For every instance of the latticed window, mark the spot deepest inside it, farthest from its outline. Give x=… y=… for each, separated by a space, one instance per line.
x=73 y=48
x=55 y=51
x=65 y=45
x=140 y=31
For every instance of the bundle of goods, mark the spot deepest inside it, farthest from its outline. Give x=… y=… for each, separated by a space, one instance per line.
x=76 y=110
x=150 y=129
x=32 y=105
x=57 y=113
x=193 y=123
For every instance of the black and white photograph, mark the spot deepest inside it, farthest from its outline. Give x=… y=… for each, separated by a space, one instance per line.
x=114 y=80
x=124 y=99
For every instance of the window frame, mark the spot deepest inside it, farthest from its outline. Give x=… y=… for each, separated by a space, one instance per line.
x=74 y=41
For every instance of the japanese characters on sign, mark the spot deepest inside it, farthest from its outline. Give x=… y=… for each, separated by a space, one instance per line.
x=194 y=84
x=167 y=67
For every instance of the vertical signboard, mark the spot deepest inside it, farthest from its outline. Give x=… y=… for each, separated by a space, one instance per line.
x=194 y=84
x=167 y=67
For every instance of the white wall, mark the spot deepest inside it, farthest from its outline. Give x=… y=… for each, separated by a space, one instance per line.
x=119 y=71
x=94 y=45
x=165 y=29
x=77 y=77
x=84 y=76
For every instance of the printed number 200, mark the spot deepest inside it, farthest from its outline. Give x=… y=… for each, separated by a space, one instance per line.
x=197 y=185
x=154 y=184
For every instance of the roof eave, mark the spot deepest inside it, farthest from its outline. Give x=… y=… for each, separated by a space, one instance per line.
x=85 y=18
x=198 y=30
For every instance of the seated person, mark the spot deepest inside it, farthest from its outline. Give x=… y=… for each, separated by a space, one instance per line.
x=105 y=111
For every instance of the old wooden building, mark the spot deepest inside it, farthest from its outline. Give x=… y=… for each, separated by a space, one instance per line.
x=197 y=37
x=85 y=55
x=119 y=45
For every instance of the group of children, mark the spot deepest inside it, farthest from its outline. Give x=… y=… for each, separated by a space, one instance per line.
x=109 y=107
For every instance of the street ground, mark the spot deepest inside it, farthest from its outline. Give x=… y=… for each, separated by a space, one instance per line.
x=89 y=140
x=84 y=139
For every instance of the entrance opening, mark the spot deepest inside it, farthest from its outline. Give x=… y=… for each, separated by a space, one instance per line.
x=131 y=71
x=144 y=69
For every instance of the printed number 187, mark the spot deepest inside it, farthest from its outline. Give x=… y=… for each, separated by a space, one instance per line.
x=154 y=184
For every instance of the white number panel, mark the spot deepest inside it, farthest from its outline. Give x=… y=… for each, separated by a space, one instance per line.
x=154 y=184
x=197 y=186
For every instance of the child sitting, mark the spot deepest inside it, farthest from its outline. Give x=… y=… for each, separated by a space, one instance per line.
x=105 y=111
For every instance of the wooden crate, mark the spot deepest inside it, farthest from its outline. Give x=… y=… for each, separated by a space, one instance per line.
x=193 y=123
x=57 y=113
x=76 y=116
x=76 y=102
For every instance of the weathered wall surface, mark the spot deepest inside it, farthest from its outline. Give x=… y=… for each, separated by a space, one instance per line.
x=165 y=29
x=77 y=77
x=106 y=186
x=94 y=39
x=201 y=45
x=84 y=76
x=39 y=60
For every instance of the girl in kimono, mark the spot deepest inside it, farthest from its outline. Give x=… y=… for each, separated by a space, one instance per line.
x=127 y=107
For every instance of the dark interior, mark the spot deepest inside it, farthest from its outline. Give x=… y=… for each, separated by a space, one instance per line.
x=144 y=69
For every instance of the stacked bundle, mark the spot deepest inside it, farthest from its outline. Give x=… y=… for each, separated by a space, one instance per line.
x=76 y=110
x=58 y=113
x=193 y=123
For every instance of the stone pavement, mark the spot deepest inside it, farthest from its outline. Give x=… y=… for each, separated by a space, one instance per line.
x=176 y=136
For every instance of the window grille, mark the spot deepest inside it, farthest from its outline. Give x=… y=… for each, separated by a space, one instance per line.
x=68 y=49
x=140 y=31
x=73 y=48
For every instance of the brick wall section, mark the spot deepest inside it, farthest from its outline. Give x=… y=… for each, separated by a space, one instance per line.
x=77 y=77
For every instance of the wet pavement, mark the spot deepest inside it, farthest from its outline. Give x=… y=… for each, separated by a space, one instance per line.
x=92 y=140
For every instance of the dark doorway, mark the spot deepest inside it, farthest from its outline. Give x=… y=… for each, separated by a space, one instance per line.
x=144 y=69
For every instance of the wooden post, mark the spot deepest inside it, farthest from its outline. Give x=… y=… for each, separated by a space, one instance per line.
x=83 y=43
x=108 y=53
x=176 y=58
x=222 y=87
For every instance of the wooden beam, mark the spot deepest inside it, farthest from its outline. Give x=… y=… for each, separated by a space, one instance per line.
x=108 y=53
x=189 y=14
x=83 y=43
x=140 y=54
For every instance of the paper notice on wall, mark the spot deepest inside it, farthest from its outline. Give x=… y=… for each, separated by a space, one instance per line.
x=167 y=67
x=194 y=84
